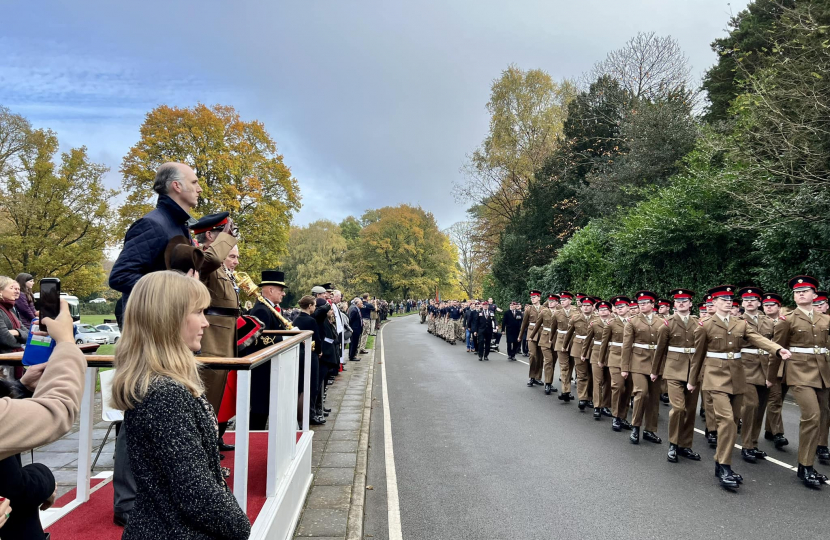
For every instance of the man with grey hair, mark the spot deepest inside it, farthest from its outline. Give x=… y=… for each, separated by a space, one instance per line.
x=356 y=324
x=178 y=192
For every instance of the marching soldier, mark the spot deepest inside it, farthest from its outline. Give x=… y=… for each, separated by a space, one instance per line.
x=672 y=360
x=706 y=410
x=529 y=322
x=575 y=340
x=717 y=351
x=805 y=333
x=756 y=364
x=774 y=425
x=566 y=364
x=639 y=342
x=483 y=330
x=544 y=336
x=599 y=368
x=512 y=324
x=611 y=353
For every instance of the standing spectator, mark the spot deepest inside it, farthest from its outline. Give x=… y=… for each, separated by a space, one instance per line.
x=365 y=313
x=341 y=323
x=13 y=334
x=304 y=321
x=356 y=322
x=172 y=430
x=25 y=303
x=373 y=318
x=144 y=246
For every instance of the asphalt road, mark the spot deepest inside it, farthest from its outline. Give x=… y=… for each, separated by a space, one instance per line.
x=479 y=455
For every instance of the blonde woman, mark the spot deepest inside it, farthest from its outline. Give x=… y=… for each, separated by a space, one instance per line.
x=171 y=429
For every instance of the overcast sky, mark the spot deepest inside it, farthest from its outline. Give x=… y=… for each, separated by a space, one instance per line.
x=372 y=103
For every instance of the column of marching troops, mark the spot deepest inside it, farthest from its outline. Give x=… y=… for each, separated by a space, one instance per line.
x=741 y=355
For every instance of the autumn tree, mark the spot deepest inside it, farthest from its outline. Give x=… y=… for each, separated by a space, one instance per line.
x=403 y=254
x=462 y=235
x=239 y=169
x=527 y=110
x=54 y=209
x=316 y=255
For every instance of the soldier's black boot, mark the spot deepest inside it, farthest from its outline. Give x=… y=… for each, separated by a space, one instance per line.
x=780 y=441
x=759 y=454
x=582 y=404
x=688 y=453
x=530 y=382
x=664 y=398
x=547 y=389
x=768 y=435
x=615 y=424
x=626 y=424
x=606 y=412
x=725 y=476
x=672 y=455
x=748 y=455
x=650 y=436
x=823 y=453
x=635 y=435
x=712 y=438
x=597 y=414
x=808 y=476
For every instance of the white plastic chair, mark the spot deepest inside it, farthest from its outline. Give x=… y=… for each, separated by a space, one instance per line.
x=108 y=414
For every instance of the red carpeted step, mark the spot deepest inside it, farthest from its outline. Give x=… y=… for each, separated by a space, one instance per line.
x=93 y=520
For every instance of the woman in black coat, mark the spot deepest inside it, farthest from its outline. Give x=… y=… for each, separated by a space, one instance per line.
x=305 y=321
x=171 y=429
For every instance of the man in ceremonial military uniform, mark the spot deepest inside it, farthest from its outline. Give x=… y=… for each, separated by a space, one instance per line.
x=611 y=353
x=706 y=410
x=639 y=342
x=544 y=336
x=575 y=340
x=483 y=331
x=774 y=424
x=756 y=364
x=566 y=364
x=717 y=352
x=599 y=368
x=663 y=306
x=805 y=333
x=529 y=321
x=512 y=325
x=423 y=312
x=672 y=361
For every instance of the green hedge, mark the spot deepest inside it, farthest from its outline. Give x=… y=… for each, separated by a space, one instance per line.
x=97 y=309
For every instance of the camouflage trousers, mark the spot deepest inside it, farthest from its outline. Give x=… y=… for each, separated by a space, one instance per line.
x=431 y=324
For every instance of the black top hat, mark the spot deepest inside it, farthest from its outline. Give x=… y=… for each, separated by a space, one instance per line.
x=273 y=277
x=181 y=255
x=210 y=222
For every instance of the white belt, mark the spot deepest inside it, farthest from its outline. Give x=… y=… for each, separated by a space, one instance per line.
x=597 y=342
x=533 y=324
x=724 y=355
x=580 y=337
x=809 y=350
x=645 y=346
x=687 y=350
x=615 y=343
x=754 y=351
x=562 y=331
x=546 y=328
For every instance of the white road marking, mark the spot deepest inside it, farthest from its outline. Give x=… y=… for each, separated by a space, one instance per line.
x=392 y=503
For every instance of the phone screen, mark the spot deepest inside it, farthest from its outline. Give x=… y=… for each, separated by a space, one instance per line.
x=50 y=299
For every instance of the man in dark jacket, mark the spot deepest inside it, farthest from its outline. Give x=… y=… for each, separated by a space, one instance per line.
x=472 y=321
x=178 y=190
x=512 y=324
x=484 y=332
x=144 y=245
x=305 y=321
x=356 y=322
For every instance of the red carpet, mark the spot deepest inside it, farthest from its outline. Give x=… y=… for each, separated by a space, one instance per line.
x=93 y=520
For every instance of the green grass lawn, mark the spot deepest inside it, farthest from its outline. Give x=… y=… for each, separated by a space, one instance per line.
x=370 y=342
x=95 y=320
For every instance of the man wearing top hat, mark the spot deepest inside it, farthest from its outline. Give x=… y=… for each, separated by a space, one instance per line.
x=718 y=343
x=807 y=374
x=216 y=235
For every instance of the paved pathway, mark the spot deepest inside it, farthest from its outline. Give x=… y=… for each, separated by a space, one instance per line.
x=334 y=506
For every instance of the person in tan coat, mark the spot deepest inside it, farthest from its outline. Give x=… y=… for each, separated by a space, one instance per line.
x=672 y=361
x=756 y=364
x=566 y=363
x=807 y=374
x=543 y=334
x=599 y=368
x=575 y=340
x=58 y=386
x=718 y=342
x=639 y=342
x=611 y=354
x=216 y=235
x=530 y=320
